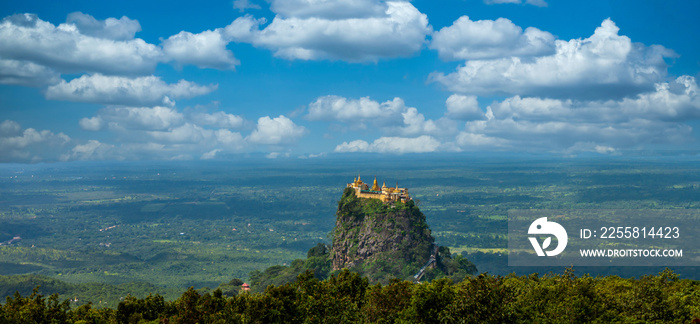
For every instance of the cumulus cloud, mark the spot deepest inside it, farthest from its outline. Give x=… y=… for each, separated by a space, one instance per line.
x=218 y=119
x=315 y=30
x=32 y=49
x=186 y=133
x=29 y=145
x=535 y=124
x=486 y=39
x=396 y=145
x=159 y=133
x=242 y=5
x=414 y=123
x=275 y=131
x=91 y=124
x=559 y=136
x=605 y=65
x=147 y=90
x=26 y=73
x=328 y=9
x=463 y=107
x=107 y=48
x=391 y=116
x=205 y=50
x=92 y=150
x=357 y=111
x=670 y=101
x=602 y=126
x=110 y=28
x=210 y=155
x=229 y=140
x=135 y=118
x=465 y=139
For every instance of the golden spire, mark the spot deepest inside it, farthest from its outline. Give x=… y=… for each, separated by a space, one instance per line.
x=383 y=185
x=375 y=187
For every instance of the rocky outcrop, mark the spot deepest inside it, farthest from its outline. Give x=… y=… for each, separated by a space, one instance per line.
x=369 y=232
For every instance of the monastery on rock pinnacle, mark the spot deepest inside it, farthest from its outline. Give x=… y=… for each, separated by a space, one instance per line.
x=385 y=194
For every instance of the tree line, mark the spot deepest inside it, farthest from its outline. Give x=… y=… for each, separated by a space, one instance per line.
x=347 y=297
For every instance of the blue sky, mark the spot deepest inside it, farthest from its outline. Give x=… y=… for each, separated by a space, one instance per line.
x=182 y=80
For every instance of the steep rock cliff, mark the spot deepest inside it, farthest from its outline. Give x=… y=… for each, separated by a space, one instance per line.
x=380 y=239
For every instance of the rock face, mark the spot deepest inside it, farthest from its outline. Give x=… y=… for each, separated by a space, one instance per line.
x=380 y=239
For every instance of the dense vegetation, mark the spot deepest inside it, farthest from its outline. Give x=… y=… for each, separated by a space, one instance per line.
x=172 y=224
x=348 y=298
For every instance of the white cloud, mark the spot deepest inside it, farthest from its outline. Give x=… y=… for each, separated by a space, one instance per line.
x=328 y=9
x=604 y=149
x=92 y=124
x=561 y=136
x=147 y=90
x=354 y=146
x=218 y=119
x=465 y=139
x=358 y=111
x=186 y=133
x=92 y=150
x=9 y=128
x=242 y=5
x=85 y=44
x=605 y=65
x=65 y=48
x=602 y=126
x=205 y=50
x=463 y=107
x=396 y=145
x=275 y=131
x=29 y=145
x=135 y=118
x=210 y=155
x=229 y=140
x=414 y=123
x=26 y=73
x=673 y=101
x=391 y=116
x=110 y=28
x=312 y=33
x=161 y=133
x=485 y=39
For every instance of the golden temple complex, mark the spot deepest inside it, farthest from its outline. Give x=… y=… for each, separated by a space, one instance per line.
x=383 y=193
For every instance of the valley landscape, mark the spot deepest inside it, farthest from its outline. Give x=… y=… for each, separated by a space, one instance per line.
x=139 y=228
x=349 y=161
